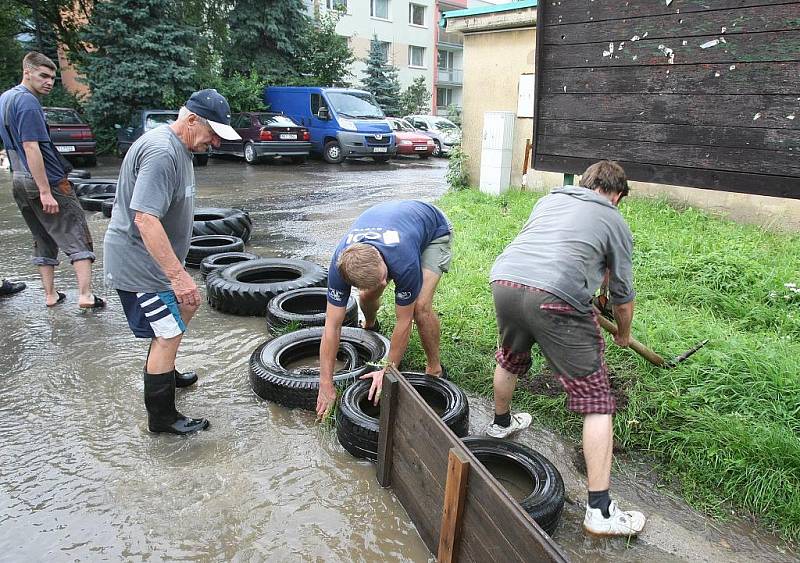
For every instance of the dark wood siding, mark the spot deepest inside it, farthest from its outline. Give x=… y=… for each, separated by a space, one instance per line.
x=702 y=93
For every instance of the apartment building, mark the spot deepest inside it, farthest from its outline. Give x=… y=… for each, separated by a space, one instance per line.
x=448 y=77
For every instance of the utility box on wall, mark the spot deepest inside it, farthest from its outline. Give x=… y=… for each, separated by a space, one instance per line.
x=496 y=151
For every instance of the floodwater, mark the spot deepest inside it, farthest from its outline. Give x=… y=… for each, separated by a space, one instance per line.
x=81 y=479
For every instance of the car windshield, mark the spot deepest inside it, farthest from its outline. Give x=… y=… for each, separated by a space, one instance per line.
x=399 y=125
x=355 y=105
x=444 y=125
x=62 y=117
x=156 y=119
x=275 y=120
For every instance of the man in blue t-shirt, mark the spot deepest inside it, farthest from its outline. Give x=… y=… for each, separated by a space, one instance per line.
x=408 y=242
x=43 y=193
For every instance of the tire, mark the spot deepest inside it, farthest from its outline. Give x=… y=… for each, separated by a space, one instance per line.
x=222 y=221
x=95 y=202
x=79 y=174
x=246 y=288
x=299 y=159
x=333 y=153
x=305 y=307
x=223 y=260
x=357 y=419
x=89 y=189
x=546 y=501
x=271 y=381
x=382 y=158
x=200 y=159
x=107 y=206
x=437 y=148
x=206 y=245
x=250 y=154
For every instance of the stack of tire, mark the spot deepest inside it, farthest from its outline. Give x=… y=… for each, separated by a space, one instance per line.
x=96 y=194
x=218 y=231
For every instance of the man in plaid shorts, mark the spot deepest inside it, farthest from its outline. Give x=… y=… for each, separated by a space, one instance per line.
x=542 y=285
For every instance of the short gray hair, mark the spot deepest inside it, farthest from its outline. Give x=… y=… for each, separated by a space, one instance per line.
x=184 y=112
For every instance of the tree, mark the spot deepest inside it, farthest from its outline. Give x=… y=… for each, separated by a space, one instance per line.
x=266 y=37
x=381 y=79
x=140 y=57
x=327 y=56
x=11 y=53
x=416 y=98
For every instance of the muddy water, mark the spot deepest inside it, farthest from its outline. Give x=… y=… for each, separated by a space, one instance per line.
x=81 y=479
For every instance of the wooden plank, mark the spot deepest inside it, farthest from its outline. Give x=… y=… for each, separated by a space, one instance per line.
x=386 y=427
x=732 y=159
x=768 y=185
x=452 y=511
x=738 y=78
x=750 y=137
x=704 y=110
x=729 y=49
x=577 y=11
x=680 y=25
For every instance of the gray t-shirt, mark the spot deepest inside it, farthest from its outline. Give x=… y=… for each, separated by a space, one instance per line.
x=571 y=237
x=156 y=178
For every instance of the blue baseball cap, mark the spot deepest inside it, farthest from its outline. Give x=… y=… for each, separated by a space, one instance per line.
x=211 y=105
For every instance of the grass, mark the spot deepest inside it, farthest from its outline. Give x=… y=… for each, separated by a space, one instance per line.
x=726 y=423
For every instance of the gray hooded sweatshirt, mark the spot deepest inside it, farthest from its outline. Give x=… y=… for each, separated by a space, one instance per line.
x=571 y=237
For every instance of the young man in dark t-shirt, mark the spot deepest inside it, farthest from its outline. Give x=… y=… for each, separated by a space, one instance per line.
x=408 y=242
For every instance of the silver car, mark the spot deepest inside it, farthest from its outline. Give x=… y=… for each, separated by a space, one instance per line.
x=445 y=133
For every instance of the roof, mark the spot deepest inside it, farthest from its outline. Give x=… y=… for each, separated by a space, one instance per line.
x=488 y=9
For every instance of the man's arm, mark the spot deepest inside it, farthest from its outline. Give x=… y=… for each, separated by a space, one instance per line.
x=623 y=314
x=33 y=155
x=400 y=336
x=331 y=334
x=158 y=245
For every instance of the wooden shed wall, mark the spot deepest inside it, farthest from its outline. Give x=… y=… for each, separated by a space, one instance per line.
x=702 y=93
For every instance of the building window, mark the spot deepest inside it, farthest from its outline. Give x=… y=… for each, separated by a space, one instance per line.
x=446 y=59
x=337 y=5
x=444 y=97
x=416 y=56
x=385 y=48
x=379 y=9
x=416 y=14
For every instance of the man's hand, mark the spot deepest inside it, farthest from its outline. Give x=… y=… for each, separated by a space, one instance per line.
x=186 y=290
x=49 y=203
x=326 y=397
x=377 y=384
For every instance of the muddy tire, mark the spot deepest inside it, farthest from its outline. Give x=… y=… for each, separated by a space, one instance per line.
x=357 y=419
x=546 y=501
x=79 y=174
x=107 y=207
x=333 y=153
x=305 y=307
x=207 y=245
x=298 y=388
x=89 y=189
x=222 y=221
x=95 y=202
x=246 y=288
x=223 y=260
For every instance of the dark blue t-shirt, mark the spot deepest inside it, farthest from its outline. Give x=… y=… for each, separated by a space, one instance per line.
x=27 y=123
x=400 y=230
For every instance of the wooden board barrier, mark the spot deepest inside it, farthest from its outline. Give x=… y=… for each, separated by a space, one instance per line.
x=414 y=453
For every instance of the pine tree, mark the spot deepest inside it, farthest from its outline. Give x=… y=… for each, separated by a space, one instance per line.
x=416 y=99
x=381 y=79
x=141 y=58
x=266 y=37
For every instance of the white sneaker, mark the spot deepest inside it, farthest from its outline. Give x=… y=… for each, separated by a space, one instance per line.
x=518 y=422
x=618 y=523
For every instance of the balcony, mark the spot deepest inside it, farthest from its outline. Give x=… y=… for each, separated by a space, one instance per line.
x=450 y=77
x=451 y=39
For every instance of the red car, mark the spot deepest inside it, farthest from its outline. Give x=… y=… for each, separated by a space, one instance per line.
x=71 y=135
x=408 y=140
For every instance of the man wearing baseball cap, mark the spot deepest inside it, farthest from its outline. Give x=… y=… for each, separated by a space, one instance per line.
x=147 y=241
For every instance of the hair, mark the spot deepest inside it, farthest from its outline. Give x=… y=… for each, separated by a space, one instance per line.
x=360 y=266
x=184 y=112
x=606 y=176
x=34 y=60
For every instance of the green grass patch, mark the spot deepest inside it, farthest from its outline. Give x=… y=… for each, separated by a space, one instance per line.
x=726 y=423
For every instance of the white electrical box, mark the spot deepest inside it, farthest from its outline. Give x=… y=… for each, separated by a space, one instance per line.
x=496 y=151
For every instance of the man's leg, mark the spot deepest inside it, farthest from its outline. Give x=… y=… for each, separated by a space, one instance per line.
x=428 y=322
x=504 y=384
x=48 y=274
x=370 y=301
x=598 y=439
x=83 y=272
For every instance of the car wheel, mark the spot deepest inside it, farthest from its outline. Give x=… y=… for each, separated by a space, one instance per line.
x=333 y=152
x=299 y=159
x=382 y=158
x=250 y=155
x=201 y=159
x=437 y=148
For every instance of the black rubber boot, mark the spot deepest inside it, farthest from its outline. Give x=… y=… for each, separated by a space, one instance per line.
x=185 y=379
x=159 y=399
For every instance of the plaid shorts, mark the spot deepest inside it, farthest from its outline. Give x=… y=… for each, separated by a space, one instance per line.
x=570 y=341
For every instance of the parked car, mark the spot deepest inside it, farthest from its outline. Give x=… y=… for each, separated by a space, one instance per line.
x=145 y=120
x=343 y=123
x=71 y=135
x=444 y=132
x=409 y=140
x=267 y=134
